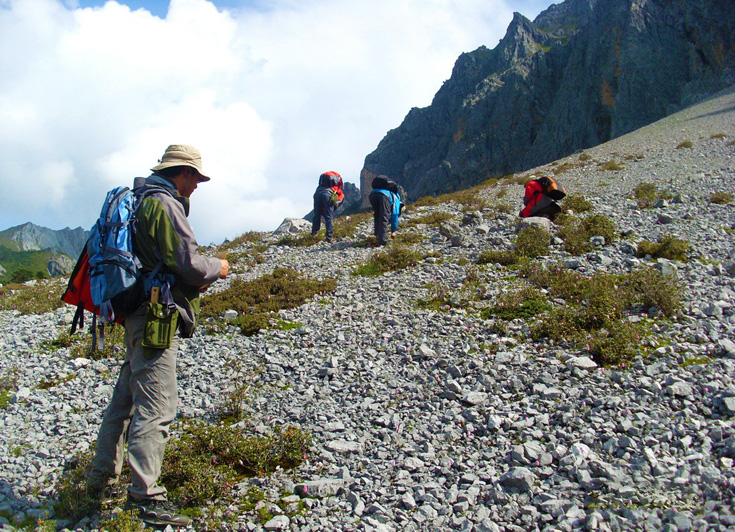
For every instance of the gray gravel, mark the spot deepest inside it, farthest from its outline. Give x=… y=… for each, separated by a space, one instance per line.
x=432 y=420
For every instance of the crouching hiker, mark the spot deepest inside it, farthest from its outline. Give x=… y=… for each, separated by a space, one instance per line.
x=144 y=400
x=327 y=198
x=386 y=203
x=539 y=197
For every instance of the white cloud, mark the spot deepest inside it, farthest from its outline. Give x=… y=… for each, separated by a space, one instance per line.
x=272 y=94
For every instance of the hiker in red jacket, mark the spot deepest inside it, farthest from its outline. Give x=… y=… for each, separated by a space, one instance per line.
x=327 y=198
x=537 y=203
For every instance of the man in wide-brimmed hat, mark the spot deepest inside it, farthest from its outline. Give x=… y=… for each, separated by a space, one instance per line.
x=144 y=401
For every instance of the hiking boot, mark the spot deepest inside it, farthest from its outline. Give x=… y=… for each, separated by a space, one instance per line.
x=157 y=513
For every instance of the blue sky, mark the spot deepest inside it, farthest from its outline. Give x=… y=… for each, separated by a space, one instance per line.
x=272 y=92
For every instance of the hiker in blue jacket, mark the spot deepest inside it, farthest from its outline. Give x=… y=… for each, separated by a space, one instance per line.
x=386 y=203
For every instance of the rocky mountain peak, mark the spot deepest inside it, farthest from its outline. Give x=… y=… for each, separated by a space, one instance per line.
x=582 y=73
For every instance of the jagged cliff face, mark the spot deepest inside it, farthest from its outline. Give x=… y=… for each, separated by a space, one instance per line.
x=582 y=73
x=30 y=237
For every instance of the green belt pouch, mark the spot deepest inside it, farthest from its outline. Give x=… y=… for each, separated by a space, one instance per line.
x=160 y=326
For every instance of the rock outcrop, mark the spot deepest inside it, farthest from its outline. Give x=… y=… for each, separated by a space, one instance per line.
x=582 y=73
x=31 y=237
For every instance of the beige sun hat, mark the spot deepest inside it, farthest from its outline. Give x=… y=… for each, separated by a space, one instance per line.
x=182 y=155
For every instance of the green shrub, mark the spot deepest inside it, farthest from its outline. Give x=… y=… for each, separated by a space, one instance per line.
x=203 y=464
x=617 y=344
x=285 y=288
x=524 y=303
x=667 y=247
x=532 y=242
x=721 y=198
x=646 y=194
x=576 y=232
x=8 y=384
x=301 y=240
x=433 y=219
x=577 y=203
x=44 y=297
x=651 y=288
x=250 y=236
x=200 y=468
x=252 y=324
x=595 y=309
x=392 y=259
x=504 y=257
x=80 y=344
x=611 y=166
x=600 y=225
x=685 y=144
x=408 y=238
x=346 y=226
x=426 y=201
x=468 y=197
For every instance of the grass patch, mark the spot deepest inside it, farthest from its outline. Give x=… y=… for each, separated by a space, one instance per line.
x=432 y=219
x=685 y=144
x=8 y=384
x=718 y=136
x=346 y=226
x=201 y=466
x=80 y=344
x=249 y=237
x=645 y=194
x=207 y=459
x=576 y=232
x=392 y=259
x=256 y=300
x=667 y=247
x=504 y=257
x=532 y=242
x=300 y=240
x=595 y=310
x=611 y=166
x=524 y=303
x=721 y=198
x=577 y=203
x=42 y=297
x=408 y=238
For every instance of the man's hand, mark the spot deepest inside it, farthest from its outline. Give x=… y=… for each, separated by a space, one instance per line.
x=225 y=268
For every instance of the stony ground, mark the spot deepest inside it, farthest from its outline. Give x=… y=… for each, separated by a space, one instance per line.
x=435 y=420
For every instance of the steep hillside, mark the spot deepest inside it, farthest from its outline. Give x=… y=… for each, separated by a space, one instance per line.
x=582 y=73
x=453 y=393
x=39 y=249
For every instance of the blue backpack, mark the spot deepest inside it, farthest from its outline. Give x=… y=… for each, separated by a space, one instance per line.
x=107 y=279
x=113 y=268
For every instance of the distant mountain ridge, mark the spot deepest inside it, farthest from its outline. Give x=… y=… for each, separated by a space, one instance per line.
x=582 y=73
x=35 y=248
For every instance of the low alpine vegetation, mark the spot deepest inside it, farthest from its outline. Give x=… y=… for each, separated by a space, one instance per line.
x=202 y=465
x=524 y=303
x=645 y=194
x=433 y=219
x=388 y=260
x=595 y=312
x=37 y=298
x=577 y=231
x=576 y=203
x=667 y=247
x=721 y=198
x=532 y=242
x=255 y=301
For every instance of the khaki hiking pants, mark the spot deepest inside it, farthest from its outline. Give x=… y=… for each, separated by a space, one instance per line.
x=143 y=406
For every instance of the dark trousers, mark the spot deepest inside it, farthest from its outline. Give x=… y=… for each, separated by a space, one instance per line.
x=381 y=216
x=322 y=207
